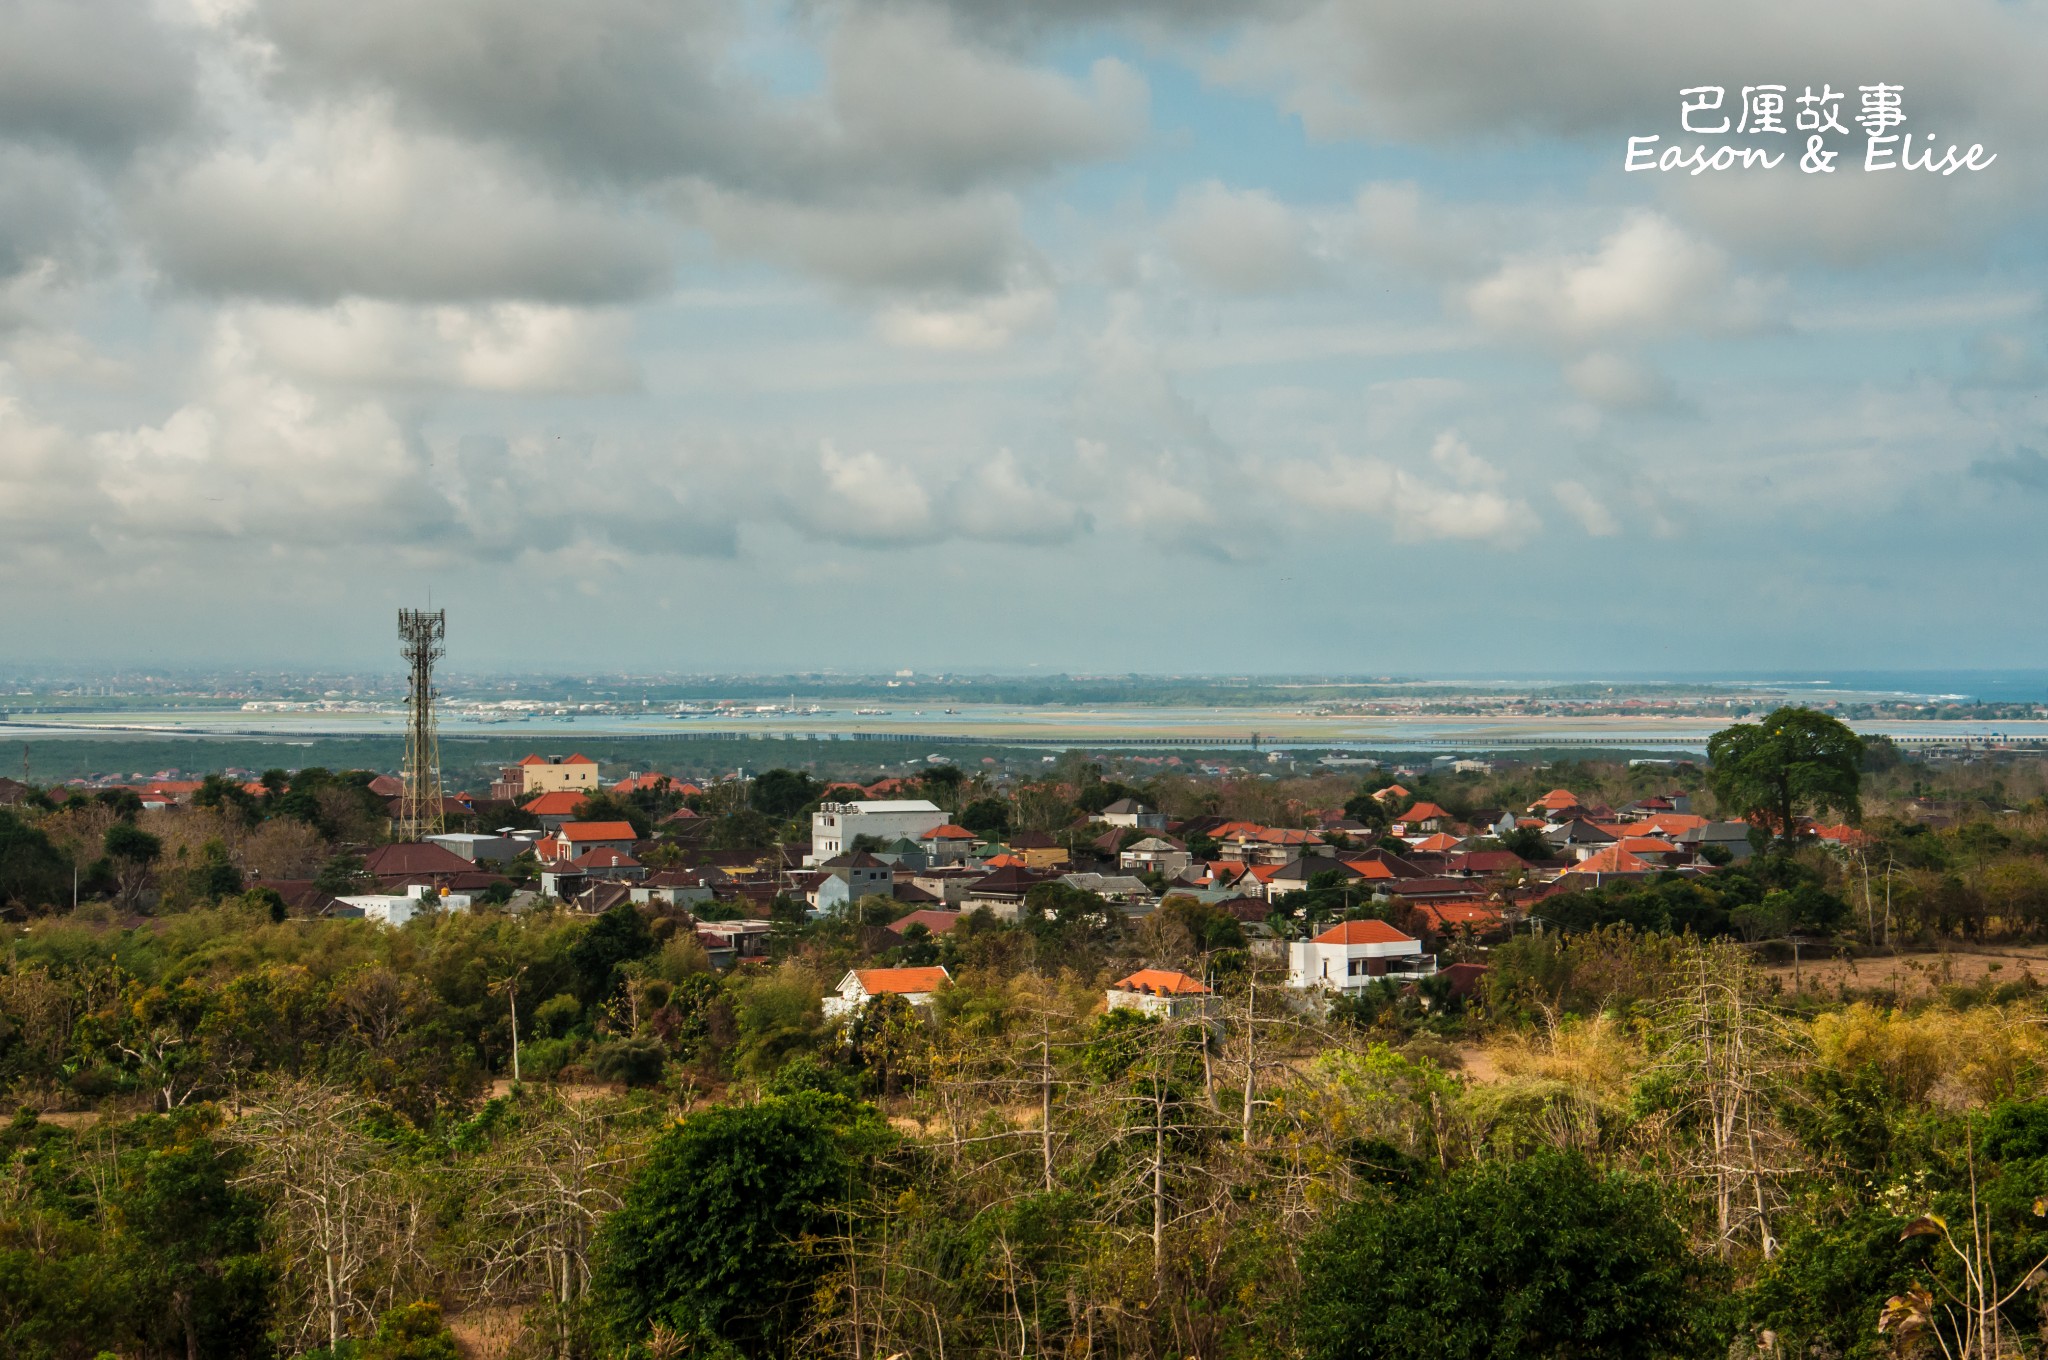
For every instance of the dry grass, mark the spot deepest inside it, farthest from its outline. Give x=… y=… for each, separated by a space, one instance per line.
x=1913 y=975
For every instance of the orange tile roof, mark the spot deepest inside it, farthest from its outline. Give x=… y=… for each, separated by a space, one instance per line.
x=560 y=803
x=1370 y=868
x=1557 y=800
x=1443 y=914
x=1391 y=791
x=1009 y=861
x=579 y=760
x=947 y=831
x=1424 y=812
x=900 y=981
x=534 y=760
x=598 y=831
x=1160 y=982
x=938 y=922
x=1363 y=932
x=604 y=857
x=1612 y=860
x=1438 y=842
x=1263 y=872
x=1670 y=824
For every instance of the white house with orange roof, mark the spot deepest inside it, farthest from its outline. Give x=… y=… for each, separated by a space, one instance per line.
x=862 y=985
x=1162 y=992
x=1353 y=955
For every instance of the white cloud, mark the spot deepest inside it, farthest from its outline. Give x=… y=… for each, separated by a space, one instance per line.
x=1239 y=240
x=974 y=323
x=1585 y=507
x=867 y=499
x=970 y=244
x=1617 y=382
x=347 y=204
x=1416 y=508
x=1648 y=277
x=910 y=98
x=995 y=503
x=499 y=347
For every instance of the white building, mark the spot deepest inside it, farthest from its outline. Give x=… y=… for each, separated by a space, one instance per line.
x=1353 y=955
x=835 y=826
x=863 y=985
x=1163 y=992
x=395 y=909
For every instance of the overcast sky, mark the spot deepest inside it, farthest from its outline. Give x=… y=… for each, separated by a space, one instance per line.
x=1211 y=335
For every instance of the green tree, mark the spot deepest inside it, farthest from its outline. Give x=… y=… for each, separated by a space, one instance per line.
x=132 y=851
x=413 y=1331
x=711 y=1239
x=1542 y=1259
x=1796 y=760
x=782 y=794
x=33 y=872
x=187 y=1243
x=617 y=937
x=986 y=816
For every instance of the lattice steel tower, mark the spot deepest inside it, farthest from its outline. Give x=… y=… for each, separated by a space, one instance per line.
x=419 y=806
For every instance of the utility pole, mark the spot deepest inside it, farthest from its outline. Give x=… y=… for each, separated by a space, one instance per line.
x=509 y=985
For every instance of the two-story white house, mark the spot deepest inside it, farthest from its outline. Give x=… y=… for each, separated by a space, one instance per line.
x=1353 y=955
x=835 y=826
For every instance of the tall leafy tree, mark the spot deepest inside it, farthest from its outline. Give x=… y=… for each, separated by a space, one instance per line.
x=1542 y=1259
x=711 y=1238
x=1796 y=760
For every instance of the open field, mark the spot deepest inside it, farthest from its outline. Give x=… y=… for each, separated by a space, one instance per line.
x=1917 y=974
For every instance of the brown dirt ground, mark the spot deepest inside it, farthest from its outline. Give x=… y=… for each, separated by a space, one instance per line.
x=1915 y=974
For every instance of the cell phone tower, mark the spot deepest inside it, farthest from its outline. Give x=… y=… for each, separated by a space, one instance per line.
x=421 y=635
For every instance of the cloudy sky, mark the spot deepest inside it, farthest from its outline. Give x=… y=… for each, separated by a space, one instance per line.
x=1215 y=335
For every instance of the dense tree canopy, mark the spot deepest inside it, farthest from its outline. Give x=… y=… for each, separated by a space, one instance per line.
x=1796 y=760
x=1544 y=1259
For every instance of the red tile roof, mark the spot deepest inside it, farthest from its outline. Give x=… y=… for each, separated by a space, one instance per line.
x=1363 y=932
x=900 y=981
x=1442 y=914
x=1160 y=982
x=946 y=831
x=598 y=831
x=604 y=857
x=1612 y=860
x=937 y=922
x=560 y=803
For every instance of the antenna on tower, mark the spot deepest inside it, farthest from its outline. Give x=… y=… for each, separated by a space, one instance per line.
x=421 y=636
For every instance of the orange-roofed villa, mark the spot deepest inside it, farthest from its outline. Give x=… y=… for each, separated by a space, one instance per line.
x=863 y=985
x=1161 y=991
x=1353 y=955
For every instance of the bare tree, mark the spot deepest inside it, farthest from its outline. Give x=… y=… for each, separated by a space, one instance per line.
x=347 y=1227
x=538 y=1199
